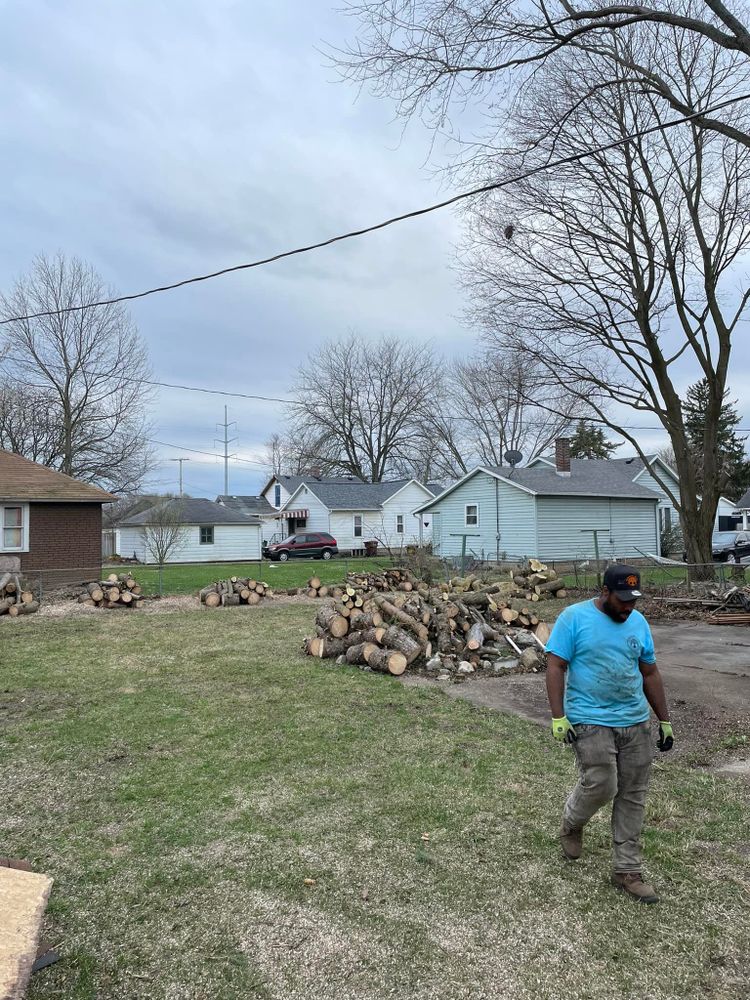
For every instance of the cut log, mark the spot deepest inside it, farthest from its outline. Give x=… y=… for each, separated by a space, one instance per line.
x=392 y=611
x=360 y=653
x=387 y=661
x=543 y=632
x=253 y=598
x=329 y=619
x=112 y=578
x=323 y=591
x=509 y=615
x=26 y=597
x=23 y=609
x=478 y=633
x=373 y=635
x=230 y=600
x=126 y=597
x=551 y=586
x=400 y=640
x=4 y=580
x=95 y=592
x=213 y=600
x=314 y=582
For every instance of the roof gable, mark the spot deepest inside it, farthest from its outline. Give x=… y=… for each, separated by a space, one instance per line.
x=22 y=479
x=356 y=495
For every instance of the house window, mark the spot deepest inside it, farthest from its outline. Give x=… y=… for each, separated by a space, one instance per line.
x=277 y=495
x=357 y=525
x=15 y=527
x=472 y=515
x=665 y=514
x=207 y=535
x=400 y=523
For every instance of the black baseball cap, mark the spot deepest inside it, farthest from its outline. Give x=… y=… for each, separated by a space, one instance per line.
x=623 y=581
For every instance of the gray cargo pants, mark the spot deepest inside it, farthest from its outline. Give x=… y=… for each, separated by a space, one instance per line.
x=613 y=764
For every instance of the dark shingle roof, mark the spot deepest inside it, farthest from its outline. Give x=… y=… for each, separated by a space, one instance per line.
x=196 y=511
x=247 y=504
x=591 y=477
x=354 y=496
x=744 y=502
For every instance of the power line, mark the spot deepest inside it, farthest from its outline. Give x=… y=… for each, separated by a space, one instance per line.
x=211 y=454
x=484 y=189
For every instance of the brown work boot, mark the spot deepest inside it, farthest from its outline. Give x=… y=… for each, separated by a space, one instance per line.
x=632 y=884
x=571 y=842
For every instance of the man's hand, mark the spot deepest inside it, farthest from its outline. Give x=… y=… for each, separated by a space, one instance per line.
x=563 y=731
x=666 y=737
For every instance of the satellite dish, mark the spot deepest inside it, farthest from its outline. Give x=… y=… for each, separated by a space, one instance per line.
x=513 y=458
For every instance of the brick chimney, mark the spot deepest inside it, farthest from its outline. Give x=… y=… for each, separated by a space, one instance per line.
x=562 y=456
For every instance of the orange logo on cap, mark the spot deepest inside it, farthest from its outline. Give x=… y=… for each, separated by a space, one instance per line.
x=632 y=581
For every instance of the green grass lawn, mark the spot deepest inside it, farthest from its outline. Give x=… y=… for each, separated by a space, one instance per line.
x=189 y=578
x=181 y=775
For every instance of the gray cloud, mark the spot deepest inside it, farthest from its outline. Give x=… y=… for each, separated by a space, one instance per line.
x=158 y=140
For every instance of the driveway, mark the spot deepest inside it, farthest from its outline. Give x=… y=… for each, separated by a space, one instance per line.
x=706 y=671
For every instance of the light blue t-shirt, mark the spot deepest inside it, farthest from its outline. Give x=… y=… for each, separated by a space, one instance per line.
x=604 y=685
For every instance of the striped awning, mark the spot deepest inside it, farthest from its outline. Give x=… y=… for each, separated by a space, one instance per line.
x=293 y=513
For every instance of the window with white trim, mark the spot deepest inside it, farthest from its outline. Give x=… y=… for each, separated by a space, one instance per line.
x=277 y=495
x=14 y=520
x=400 y=524
x=357 y=525
x=471 y=519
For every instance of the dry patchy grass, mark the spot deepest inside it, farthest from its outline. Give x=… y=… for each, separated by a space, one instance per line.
x=181 y=775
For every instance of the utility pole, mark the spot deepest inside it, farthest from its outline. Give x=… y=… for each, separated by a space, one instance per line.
x=226 y=441
x=180 y=460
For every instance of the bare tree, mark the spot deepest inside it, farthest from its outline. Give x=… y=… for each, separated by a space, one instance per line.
x=434 y=55
x=165 y=534
x=91 y=362
x=499 y=390
x=620 y=265
x=356 y=404
x=30 y=423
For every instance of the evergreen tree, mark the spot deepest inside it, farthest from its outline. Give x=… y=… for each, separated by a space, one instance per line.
x=590 y=442
x=733 y=464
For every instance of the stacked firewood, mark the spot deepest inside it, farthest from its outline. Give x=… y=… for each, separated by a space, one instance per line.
x=117 y=591
x=316 y=588
x=533 y=582
x=16 y=597
x=420 y=628
x=234 y=591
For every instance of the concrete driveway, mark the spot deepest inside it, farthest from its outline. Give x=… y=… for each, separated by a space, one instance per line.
x=706 y=671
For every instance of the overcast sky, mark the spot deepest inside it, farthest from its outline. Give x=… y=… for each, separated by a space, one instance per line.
x=160 y=139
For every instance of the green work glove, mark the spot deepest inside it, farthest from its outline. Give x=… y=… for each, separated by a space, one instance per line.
x=563 y=731
x=666 y=737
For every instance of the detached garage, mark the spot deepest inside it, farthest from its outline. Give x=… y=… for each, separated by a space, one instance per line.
x=208 y=532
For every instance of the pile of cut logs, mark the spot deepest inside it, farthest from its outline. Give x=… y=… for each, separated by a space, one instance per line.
x=16 y=597
x=234 y=591
x=533 y=582
x=453 y=635
x=117 y=591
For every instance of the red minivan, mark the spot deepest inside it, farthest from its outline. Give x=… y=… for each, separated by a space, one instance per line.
x=310 y=544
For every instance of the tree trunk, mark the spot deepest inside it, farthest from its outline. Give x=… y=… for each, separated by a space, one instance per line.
x=334 y=623
x=400 y=640
x=387 y=661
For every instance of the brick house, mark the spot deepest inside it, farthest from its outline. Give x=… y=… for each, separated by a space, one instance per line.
x=49 y=521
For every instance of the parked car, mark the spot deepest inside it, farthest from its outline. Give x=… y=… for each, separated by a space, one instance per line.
x=310 y=544
x=730 y=545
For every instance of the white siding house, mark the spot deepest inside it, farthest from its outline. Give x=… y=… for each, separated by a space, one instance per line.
x=209 y=533
x=356 y=512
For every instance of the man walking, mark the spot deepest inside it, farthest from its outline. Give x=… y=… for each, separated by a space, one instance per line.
x=601 y=678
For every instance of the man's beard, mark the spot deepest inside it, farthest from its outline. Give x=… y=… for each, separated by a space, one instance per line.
x=617 y=616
